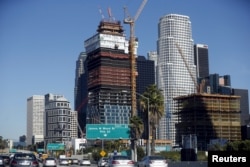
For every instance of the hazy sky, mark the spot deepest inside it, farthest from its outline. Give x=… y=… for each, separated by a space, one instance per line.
x=40 y=41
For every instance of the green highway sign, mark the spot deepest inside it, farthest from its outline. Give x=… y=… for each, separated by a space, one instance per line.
x=55 y=146
x=107 y=131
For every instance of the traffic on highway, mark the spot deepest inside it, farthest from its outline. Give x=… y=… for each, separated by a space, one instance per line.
x=20 y=159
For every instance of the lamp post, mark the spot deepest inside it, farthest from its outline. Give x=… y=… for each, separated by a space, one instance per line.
x=148 y=141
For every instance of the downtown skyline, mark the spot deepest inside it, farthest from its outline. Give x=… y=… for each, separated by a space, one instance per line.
x=40 y=43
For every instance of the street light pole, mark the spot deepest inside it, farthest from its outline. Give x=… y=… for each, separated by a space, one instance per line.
x=148 y=141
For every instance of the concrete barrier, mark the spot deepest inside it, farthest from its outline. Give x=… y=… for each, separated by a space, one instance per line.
x=188 y=164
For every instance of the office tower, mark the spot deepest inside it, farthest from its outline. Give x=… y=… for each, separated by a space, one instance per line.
x=145 y=78
x=225 y=80
x=146 y=74
x=214 y=82
x=175 y=77
x=35 y=113
x=152 y=55
x=58 y=119
x=79 y=72
x=244 y=105
x=219 y=84
x=109 y=75
x=81 y=90
x=201 y=60
x=74 y=124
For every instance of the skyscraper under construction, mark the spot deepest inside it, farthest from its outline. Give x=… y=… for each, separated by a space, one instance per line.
x=109 y=73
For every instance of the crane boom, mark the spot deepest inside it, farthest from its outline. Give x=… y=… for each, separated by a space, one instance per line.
x=140 y=10
x=131 y=22
x=79 y=127
x=189 y=70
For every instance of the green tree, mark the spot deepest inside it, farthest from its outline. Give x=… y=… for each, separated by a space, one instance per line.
x=244 y=145
x=136 y=128
x=156 y=109
x=238 y=145
x=3 y=143
x=140 y=153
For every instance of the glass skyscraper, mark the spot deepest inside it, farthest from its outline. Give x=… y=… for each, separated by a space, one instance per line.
x=201 y=60
x=176 y=69
x=81 y=90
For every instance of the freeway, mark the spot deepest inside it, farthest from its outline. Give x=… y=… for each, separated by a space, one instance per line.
x=92 y=165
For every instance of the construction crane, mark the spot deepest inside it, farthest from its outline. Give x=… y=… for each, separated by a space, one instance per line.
x=131 y=22
x=197 y=86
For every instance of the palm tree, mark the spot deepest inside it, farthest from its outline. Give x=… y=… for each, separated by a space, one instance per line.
x=156 y=109
x=136 y=130
x=136 y=124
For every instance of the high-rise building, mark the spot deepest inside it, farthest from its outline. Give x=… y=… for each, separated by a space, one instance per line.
x=79 y=72
x=35 y=124
x=201 y=60
x=218 y=84
x=152 y=55
x=176 y=68
x=81 y=90
x=222 y=85
x=74 y=124
x=145 y=78
x=146 y=74
x=59 y=123
x=244 y=105
x=109 y=75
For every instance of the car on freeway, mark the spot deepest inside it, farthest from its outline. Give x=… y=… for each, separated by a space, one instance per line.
x=120 y=161
x=75 y=161
x=6 y=159
x=64 y=162
x=70 y=161
x=49 y=162
x=1 y=161
x=85 y=162
x=103 y=162
x=24 y=159
x=152 y=161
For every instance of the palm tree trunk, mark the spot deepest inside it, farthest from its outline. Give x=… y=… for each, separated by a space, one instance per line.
x=153 y=141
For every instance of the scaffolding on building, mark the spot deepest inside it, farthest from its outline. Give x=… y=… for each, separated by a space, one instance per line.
x=209 y=116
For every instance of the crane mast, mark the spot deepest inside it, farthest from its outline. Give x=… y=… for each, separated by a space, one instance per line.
x=131 y=22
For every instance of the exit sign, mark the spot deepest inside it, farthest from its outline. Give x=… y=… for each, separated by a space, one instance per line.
x=107 y=131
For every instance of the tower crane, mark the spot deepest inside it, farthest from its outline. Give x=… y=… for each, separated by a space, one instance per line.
x=131 y=22
x=197 y=86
